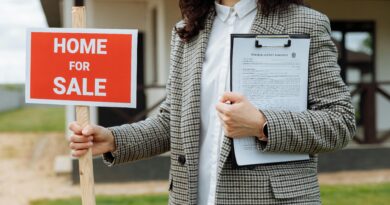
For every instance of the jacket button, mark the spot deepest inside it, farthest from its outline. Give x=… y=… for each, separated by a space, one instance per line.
x=181 y=159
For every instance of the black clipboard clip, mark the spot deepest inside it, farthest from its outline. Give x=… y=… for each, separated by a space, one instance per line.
x=286 y=45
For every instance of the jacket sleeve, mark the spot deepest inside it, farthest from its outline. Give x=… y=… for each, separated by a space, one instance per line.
x=329 y=122
x=147 y=138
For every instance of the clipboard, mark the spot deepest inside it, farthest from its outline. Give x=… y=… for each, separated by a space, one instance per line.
x=256 y=53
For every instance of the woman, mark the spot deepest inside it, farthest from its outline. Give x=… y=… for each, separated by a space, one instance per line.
x=197 y=124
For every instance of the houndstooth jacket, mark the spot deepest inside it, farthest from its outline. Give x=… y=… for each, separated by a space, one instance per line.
x=327 y=125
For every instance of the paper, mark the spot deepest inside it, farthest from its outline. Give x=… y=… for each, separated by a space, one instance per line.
x=272 y=78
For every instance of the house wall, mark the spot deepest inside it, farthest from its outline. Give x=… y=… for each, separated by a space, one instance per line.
x=377 y=11
x=167 y=15
x=137 y=14
x=10 y=100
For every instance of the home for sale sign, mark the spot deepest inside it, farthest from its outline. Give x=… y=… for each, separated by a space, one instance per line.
x=91 y=67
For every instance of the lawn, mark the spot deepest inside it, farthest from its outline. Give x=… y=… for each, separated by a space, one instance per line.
x=378 y=194
x=112 y=200
x=33 y=119
x=375 y=194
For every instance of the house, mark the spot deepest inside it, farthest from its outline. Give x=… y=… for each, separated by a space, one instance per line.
x=10 y=99
x=361 y=30
x=367 y=73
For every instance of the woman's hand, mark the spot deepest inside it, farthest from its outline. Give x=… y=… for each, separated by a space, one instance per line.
x=239 y=117
x=99 y=138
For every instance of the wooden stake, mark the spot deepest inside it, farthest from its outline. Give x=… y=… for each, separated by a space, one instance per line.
x=82 y=116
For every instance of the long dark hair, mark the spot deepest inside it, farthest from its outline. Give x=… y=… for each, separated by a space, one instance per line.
x=194 y=13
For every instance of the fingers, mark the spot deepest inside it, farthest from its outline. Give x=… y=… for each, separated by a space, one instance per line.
x=227 y=124
x=89 y=130
x=80 y=146
x=232 y=97
x=224 y=119
x=80 y=139
x=79 y=153
x=223 y=108
x=75 y=128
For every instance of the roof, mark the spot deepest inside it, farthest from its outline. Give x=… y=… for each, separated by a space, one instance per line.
x=52 y=11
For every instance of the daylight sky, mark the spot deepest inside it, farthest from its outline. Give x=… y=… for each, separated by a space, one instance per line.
x=15 y=17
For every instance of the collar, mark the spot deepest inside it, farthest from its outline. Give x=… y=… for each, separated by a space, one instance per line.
x=242 y=8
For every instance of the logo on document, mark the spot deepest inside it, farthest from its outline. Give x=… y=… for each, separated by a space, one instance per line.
x=294 y=55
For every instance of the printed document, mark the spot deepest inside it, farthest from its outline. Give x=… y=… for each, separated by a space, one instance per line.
x=272 y=77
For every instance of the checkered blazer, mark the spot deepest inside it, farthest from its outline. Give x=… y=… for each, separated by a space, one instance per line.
x=327 y=125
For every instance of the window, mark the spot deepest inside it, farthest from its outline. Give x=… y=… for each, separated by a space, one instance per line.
x=355 y=42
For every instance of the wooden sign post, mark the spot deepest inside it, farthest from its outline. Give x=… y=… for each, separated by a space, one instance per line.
x=85 y=162
x=82 y=117
x=82 y=67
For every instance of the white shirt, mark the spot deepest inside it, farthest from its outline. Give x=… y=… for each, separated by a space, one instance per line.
x=215 y=78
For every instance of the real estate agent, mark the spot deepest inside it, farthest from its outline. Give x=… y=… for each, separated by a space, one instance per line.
x=197 y=125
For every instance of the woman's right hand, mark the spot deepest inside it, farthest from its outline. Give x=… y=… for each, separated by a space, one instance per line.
x=98 y=138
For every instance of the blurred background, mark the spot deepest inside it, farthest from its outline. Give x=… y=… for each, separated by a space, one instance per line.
x=35 y=164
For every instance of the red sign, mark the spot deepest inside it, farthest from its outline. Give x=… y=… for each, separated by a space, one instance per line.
x=92 y=67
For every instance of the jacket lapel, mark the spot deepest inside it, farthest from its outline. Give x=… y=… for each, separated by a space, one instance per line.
x=193 y=58
x=267 y=24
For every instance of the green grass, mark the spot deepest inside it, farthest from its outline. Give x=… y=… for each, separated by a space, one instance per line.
x=378 y=194
x=33 y=119
x=375 y=194
x=112 y=200
x=12 y=87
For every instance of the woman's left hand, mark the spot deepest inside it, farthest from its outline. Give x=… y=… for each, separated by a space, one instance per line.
x=239 y=117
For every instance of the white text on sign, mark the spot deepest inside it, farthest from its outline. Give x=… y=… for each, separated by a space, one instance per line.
x=79 y=66
x=82 y=46
x=75 y=86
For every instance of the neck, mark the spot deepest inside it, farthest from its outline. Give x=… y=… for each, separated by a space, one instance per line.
x=229 y=3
